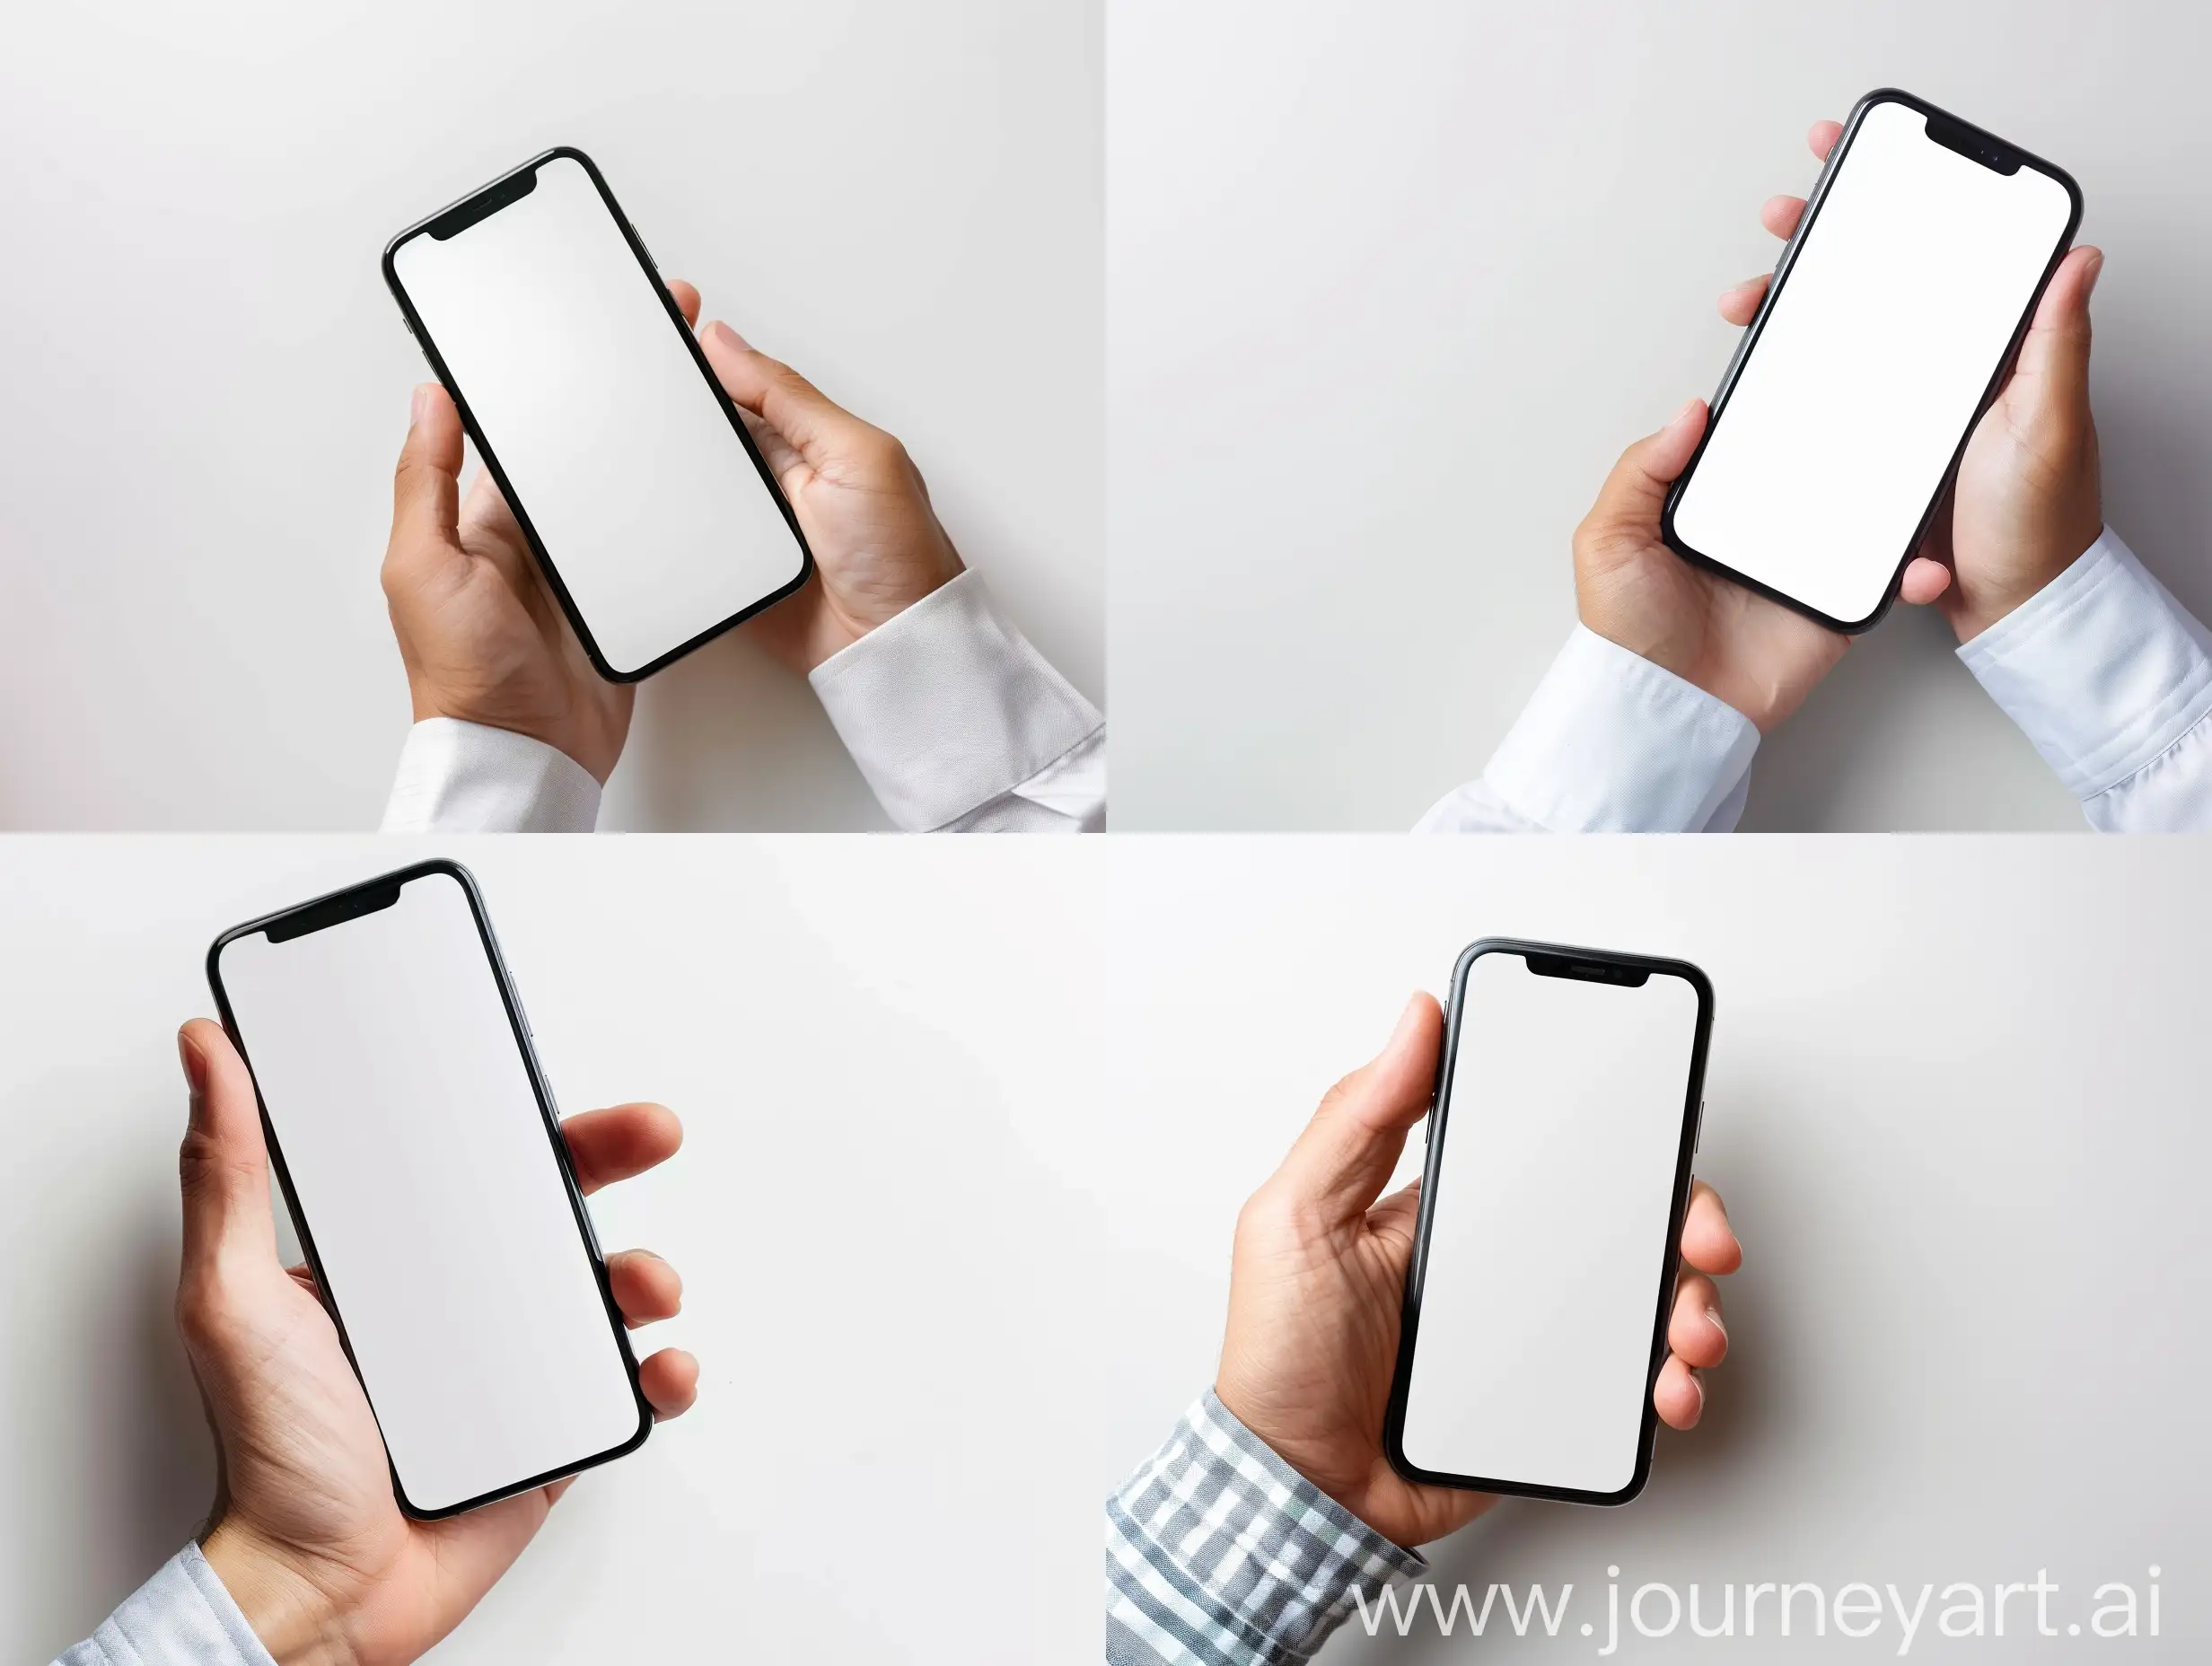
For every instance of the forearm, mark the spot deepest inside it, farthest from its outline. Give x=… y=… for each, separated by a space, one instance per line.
x=1609 y=743
x=181 y=1617
x=960 y=725
x=1220 y=1554
x=464 y=777
x=2110 y=677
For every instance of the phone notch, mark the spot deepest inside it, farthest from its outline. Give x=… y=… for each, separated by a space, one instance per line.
x=486 y=202
x=1974 y=144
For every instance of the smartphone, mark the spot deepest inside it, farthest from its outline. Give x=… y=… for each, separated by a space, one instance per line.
x=421 y=1153
x=1890 y=325
x=649 y=508
x=1560 y=1146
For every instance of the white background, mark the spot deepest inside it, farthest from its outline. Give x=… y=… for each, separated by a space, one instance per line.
x=206 y=382
x=1955 y=1106
x=969 y=1125
x=891 y=1286
x=1391 y=287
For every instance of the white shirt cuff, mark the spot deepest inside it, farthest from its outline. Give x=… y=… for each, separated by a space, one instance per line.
x=946 y=707
x=2101 y=669
x=181 y=1617
x=464 y=777
x=1612 y=743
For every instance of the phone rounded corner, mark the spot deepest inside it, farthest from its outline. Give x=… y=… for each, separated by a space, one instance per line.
x=607 y=672
x=1860 y=626
x=389 y=264
x=2077 y=205
x=569 y=152
x=1637 y=1478
x=1694 y=974
x=454 y=870
x=1464 y=967
x=1627 y=1495
x=414 y=1512
x=214 y=958
x=1870 y=101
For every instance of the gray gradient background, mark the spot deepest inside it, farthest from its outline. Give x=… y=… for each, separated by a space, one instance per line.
x=1390 y=288
x=890 y=1289
x=206 y=381
x=1955 y=1105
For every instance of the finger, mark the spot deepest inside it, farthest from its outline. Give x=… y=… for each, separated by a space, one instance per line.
x=1339 y=1165
x=615 y=1143
x=1708 y=1242
x=670 y=1381
x=1696 y=1332
x=1679 y=1395
x=1397 y=1216
x=425 y=489
x=1634 y=492
x=1822 y=137
x=1923 y=581
x=686 y=300
x=2056 y=352
x=223 y=1167
x=1741 y=304
x=1780 y=214
x=645 y=1288
x=820 y=428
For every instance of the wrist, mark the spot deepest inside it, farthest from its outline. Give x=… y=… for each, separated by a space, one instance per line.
x=592 y=752
x=297 y=1620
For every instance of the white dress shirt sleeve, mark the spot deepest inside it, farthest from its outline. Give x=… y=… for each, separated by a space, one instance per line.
x=1610 y=743
x=464 y=777
x=181 y=1617
x=957 y=723
x=2111 y=679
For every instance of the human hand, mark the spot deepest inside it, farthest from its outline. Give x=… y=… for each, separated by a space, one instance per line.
x=1319 y=1277
x=305 y=1534
x=2026 y=501
x=1758 y=656
x=877 y=544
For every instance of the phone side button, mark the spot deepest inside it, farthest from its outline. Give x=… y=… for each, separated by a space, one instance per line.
x=1697 y=1140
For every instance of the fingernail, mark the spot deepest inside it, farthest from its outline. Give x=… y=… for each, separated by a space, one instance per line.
x=1697 y=1379
x=421 y=403
x=1683 y=415
x=195 y=1064
x=1713 y=1313
x=2096 y=270
x=728 y=337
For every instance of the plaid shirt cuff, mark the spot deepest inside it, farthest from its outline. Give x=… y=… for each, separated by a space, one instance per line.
x=1220 y=1554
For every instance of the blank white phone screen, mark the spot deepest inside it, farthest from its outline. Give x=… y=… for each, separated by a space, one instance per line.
x=1894 y=316
x=1548 y=1226
x=430 y=1188
x=643 y=496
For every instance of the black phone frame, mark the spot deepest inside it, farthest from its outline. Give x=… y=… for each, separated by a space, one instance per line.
x=1604 y=962
x=350 y=903
x=1991 y=152
x=481 y=204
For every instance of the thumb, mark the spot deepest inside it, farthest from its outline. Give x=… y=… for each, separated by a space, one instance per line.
x=1341 y=1162
x=224 y=1166
x=1636 y=489
x=819 y=429
x=426 y=488
x=2054 y=356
